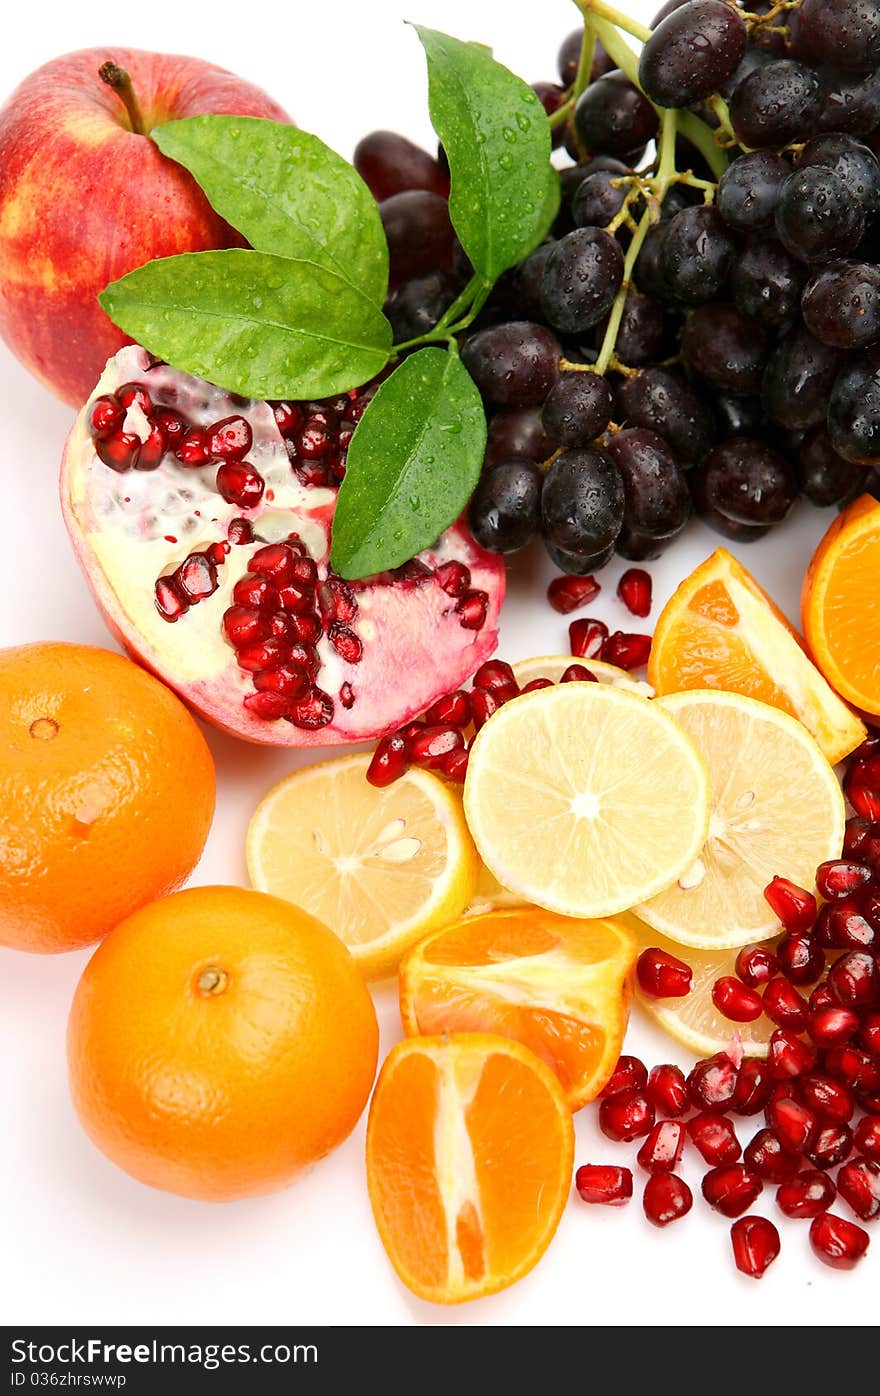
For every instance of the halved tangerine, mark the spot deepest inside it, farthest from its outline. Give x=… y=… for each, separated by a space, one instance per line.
x=841 y=605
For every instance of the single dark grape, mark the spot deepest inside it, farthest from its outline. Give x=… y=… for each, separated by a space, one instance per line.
x=570 y=54
x=767 y=283
x=692 y=52
x=738 y=416
x=856 y=165
x=825 y=477
x=798 y=380
x=641 y=333
x=661 y=401
x=613 y=117
x=390 y=164
x=775 y=104
x=748 y=191
x=417 y=305
x=841 y=305
x=419 y=233
x=817 y=219
x=843 y=32
x=581 y=279
x=677 y=197
x=657 y=502
x=725 y=348
x=754 y=57
x=578 y=564
x=854 y=410
x=514 y=364
x=850 y=102
x=525 y=283
x=577 y=409
x=697 y=254
x=648 y=272
x=737 y=532
x=598 y=199
x=748 y=481
x=505 y=508
x=582 y=501
x=517 y=433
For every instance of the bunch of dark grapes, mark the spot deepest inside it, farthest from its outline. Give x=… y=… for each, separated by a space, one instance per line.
x=746 y=366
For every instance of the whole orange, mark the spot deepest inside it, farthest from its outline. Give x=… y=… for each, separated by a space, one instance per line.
x=219 y=1042
x=106 y=794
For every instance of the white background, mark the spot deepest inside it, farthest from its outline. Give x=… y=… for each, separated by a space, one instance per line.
x=80 y=1242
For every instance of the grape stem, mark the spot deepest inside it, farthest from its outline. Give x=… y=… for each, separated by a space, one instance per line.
x=599 y=10
x=582 y=77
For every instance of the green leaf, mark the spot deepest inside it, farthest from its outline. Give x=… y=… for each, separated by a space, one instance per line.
x=286 y=192
x=412 y=465
x=497 y=138
x=266 y=327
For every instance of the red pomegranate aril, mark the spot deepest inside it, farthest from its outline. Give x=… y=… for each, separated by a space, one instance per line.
x=855 y=837
x=821 y=997
x=230 y=439
x=712 y=1082
x=806 y=1195
x=752 y=1089
x=192 y=448
x=197 y=577
x=800 y=959
x=795 y=906
x=455 y=764
x=346 y=695
x=784 y=1006
x=756 y=1245
x=389 y=761
x=714 y=1136
x=838 y=878
x=666 y=1089
x=169 y=602
x=149 y=457
x=829 y=1026
x=453 y=710
x=756 y=966
x=829 y=1100
x=304 y=571
x=432 y=744
x=172 y=424
x=337 y=602
x=483 y=705
x=240 y=531
x=240 y=484
x=280 y=627
x=267 y=654
x=869 y=747
x=296 y=598
x=854 y=979
x=793 y=1123
x=268 y=706
x=135 y=395
x=630 y=1074
x=495 y=676
x=536 y=684
x=634 y=590
x=346 y=643
x=313 y=711
x=586 y=637
x=307 y=656
x=255 y=592
x=454 y=578
x=788 y=1055
x=869 y=1034
x=663 y=976
x=288 y=417
x=626 y=651
x=735 y=1000
x=842 y=926
x=275 y=562
x=839 y=1243
x=242 y=626
x=567 y=594
x=412 y=571
x=472 y=609
x=666 y=1198
x=855 y=1068
x=578 y=673
x=410 y=730
x=765 y=1156
x=218 y=552
x=858 y=1183
x=120 y=451
x=608 y=1184
x=864 y=799
x=866 y=1137
x=625 y=1116
x=306 y=627
x=731 y=1189
x=106 y=416
x=290 y=680
x=831 y=1146
x=662 y=1148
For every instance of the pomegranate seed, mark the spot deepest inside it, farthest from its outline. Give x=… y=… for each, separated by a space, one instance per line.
x=831 y=1146
x=296 y=598
x=634 y=590
x=866 y=1137
x=735 y=1000
x=828 y=1026
x=666 y=1089
x=869 y=747
x=346 y=643
x=586 y=638
x=842 y=926
x=864 y=800
x=240 y=484
x=630 y=1074
x=106 y=416
x=313 y=711
x=666 y=1198
x=732 y=1189
x=854 y=979
x=839 y=1243
x=192 y=448
x=712 y=1082
x=310 y=473
x=625 y=1116
x=858 y=1183
x=784 y=1006
x=454 y=578
x=389 y=761
x=827 y=1098
x=788 y=1055
x=455 y=764
x=275 y=562
x=756 y=965
x=169 y=602
x=240 y=531
x=537 y=684
x=268 y=706
x=120 y=451
x=483 y=705
x=794 y=1124
x=801 y=960
x=605 y=1183
x=197 y=577
x=346 y=695
x=765 y=1156
x=412 y=571
x=662 y=976
x=230 y=439
x=337 y=602
x=795 y=906
x=821 y=997
x=838 y=878
x=288 y=417
x=149 y=457
x=662 y=1148
x=626 y=651
x=856 y=1069
x=172 y=424
x=496 y=677
x=715 y=1137
x=268 y=654
x=756 y=1245
x=869 y=1034
x=218 y=552
x=255 y=592
x=472 y=609
x=432 y=744
x=567 y=594
x=290 y=680
x=452 y=711
x=806 y=1195
x=135 y=395
x=307 y=656
x=855 y=837
x=409 y=730
x=753 y=1085
x=244 y=626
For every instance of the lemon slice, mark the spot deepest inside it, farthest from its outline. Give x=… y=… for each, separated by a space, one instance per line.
x=581 y=796
x=553 y=666
x=777 y=808
x=381 y=868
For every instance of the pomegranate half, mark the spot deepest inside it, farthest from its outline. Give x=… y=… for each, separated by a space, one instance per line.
x=202 y=522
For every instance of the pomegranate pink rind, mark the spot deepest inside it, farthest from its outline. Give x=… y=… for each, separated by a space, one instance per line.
x=416 y=634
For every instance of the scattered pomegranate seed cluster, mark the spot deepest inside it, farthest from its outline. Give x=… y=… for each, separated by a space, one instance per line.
x=818 y=1090
x=590 y=638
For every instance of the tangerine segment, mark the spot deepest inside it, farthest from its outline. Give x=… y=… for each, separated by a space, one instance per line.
x=470 y=1147
x=720 y=630
x=841 y=605
x=561 y=986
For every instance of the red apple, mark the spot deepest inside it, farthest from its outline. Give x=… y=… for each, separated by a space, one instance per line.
x=85 y=196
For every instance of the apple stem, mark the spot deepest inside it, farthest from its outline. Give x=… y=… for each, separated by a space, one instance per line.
x=119 y=80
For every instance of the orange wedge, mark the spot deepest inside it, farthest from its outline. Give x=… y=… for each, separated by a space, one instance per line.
x=470 y=1146
x=561 y=986
x=719 y=629
x=841 y=605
